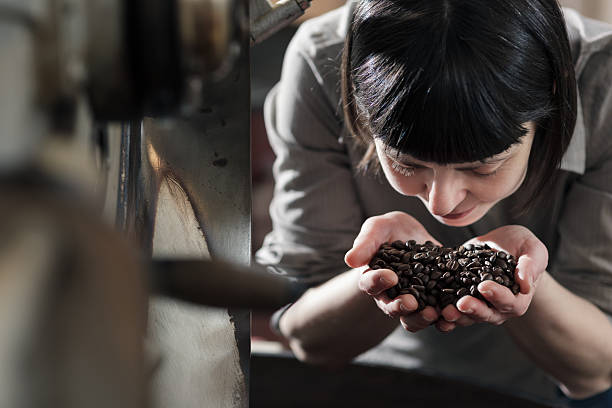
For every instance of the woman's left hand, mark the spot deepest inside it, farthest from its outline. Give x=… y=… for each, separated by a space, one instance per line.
x=532 y=259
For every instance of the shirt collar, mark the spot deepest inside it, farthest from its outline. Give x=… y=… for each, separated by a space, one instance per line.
x=574 y=159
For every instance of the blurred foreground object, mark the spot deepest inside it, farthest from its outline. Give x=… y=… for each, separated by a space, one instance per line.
x=267 y=17
x=138 y=110
x=72 y=304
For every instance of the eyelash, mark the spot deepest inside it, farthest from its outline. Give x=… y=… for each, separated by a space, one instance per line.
x=409 y=171
x=485 y=174
x=403 y=170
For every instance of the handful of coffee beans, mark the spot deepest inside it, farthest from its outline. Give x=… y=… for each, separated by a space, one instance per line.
x=439 y=276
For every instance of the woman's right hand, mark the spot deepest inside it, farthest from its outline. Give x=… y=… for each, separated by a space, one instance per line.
x=374 y=232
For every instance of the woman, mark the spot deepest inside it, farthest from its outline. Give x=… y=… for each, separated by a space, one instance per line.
x=453 y=121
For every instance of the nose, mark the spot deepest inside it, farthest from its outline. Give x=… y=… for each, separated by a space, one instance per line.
x=445 y=191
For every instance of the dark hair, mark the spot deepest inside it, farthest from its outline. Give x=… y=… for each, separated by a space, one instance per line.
x=451 y=81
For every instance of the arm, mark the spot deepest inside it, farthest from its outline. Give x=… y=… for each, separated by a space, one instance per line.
x=334 y=322
x=316 y=214
x=568 y=337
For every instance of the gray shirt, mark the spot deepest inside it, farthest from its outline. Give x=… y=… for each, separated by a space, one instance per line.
x=320 y=201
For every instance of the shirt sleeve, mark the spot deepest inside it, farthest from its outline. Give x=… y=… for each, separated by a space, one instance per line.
x=584 y=256
x=315 y=212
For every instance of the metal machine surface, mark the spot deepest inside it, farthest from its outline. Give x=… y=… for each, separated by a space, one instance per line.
x=138 y=110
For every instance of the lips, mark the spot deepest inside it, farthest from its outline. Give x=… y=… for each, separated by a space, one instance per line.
x=457 y=215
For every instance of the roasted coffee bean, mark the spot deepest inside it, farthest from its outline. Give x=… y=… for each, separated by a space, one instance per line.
x=416 y=281
x=431 y=284
x=452 y=265
x=413 y=292
x=501 y=263
x=435 y=275
x=418 y=267
x=398 y=245
x=462 y=292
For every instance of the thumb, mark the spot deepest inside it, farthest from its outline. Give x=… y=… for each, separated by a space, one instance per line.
x=531 y=263
x=370 y=238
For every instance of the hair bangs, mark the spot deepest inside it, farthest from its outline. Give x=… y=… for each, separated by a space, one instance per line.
x=449 y=116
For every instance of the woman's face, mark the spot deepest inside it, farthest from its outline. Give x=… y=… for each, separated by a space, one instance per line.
x=458 y=194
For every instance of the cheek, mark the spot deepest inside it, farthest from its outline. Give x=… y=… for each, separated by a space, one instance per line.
x=405 y=185
x=497 y=187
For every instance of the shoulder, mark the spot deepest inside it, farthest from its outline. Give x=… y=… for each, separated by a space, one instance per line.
x=322 y=36
x=591 y=43
x=317 y=47
x=587 y=36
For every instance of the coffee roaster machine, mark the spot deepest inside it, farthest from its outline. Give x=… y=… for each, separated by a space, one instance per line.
x=125 y=201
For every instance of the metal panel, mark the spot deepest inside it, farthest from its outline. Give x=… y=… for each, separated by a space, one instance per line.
x=190 y=197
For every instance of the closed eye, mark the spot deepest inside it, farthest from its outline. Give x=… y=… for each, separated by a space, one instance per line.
x=402 y=169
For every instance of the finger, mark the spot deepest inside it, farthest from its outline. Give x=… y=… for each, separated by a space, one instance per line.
x=502 y=298
x=374 y=282
x=444 y=326
x=403 y=305
x=452 y=315
x=531 y=264
x=382 y=302
x=419 y=321
x=374 y=232
x=478 y=311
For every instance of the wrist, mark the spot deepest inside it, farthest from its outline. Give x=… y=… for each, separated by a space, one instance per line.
x=543 y=288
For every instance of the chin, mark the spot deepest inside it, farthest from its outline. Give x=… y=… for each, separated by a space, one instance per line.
x=456 y=223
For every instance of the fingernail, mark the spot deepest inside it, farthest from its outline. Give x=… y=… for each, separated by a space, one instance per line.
x=427 y=319
x=383 y=280
x=403 y=308
x=468 y=311
x=486 y=292
x=521 y=275
x=452 y=319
